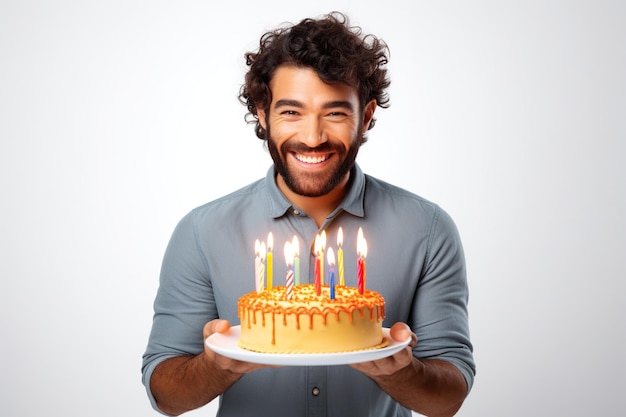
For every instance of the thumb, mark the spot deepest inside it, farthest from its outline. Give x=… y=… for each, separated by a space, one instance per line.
x=401 y=332
x=217 y=325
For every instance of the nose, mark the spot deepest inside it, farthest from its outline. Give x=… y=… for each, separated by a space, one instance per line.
x=313 y=132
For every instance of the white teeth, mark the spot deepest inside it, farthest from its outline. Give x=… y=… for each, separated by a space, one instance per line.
x=311 y=159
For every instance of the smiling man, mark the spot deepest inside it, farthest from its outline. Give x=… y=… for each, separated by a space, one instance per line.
x=312 y=90
x=314 y=131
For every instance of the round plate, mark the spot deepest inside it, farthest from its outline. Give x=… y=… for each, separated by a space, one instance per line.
x=225 y=344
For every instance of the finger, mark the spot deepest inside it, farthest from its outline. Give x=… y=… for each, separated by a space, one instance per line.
x=400 y=332
x=214 y=326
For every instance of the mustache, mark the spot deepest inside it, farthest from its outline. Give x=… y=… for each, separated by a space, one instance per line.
x=302 y=148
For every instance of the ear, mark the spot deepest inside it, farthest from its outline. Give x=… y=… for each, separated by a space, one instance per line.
x=261 y=117
x=368 y=115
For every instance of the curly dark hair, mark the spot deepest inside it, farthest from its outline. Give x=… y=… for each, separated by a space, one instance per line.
x=336 y=51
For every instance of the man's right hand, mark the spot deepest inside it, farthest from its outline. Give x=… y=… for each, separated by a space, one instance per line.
x=222 y=362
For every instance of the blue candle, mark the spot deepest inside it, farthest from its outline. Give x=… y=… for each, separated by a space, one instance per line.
x=331 y=262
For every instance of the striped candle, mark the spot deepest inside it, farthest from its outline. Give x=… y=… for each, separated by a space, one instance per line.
x=289 y=280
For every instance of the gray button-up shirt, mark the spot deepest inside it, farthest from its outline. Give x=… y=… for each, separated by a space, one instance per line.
x=415 y=260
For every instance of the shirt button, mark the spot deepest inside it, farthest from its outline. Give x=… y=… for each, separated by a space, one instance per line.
x=315 y=391
x=296 y=212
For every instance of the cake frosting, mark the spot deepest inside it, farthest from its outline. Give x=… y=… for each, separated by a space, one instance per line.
x=311 y=323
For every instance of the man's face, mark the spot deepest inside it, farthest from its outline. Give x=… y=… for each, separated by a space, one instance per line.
x=314 y=130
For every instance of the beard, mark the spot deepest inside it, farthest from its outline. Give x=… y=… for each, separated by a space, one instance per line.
x=314 y=184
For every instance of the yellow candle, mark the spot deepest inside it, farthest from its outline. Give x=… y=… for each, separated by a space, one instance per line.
x=342 y=280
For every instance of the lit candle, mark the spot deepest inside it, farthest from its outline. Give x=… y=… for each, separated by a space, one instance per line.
x=295 y=245
x=342 y=280
x=261 y=275
x=361 y=272
x=289 y=255
x=331 y=263
x=257 y=264
x=270 y=260
x=316 y=267
x=322 y=249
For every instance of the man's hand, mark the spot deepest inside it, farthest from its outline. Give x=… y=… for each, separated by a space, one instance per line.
x=391 y=364
x=222 y=362
x=185 y=383
x=429 y=386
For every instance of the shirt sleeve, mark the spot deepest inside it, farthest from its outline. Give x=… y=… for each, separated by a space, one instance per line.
x=184 y=302
x=440 y=313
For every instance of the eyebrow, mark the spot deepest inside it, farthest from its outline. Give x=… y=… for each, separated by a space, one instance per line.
x=329 y=105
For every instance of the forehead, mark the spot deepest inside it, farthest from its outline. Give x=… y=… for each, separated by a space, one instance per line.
x=303 y=84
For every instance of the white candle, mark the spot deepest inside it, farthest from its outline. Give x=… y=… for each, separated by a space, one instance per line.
x=295 y=245
x=257 y=263
x=261 y=272
x=270 y=261
x=289 y=279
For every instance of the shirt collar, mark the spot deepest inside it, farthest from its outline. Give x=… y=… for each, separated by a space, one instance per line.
x=352 y=203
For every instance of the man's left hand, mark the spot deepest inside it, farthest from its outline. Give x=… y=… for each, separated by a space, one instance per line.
x=391 y=364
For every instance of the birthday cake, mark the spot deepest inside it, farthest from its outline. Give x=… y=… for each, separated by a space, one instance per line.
x=310 y=321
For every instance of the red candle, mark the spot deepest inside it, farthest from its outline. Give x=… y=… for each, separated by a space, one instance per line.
x=360 y=274
x=316 y=270
x=322 y=248
x=361 y=271
x=342 y=280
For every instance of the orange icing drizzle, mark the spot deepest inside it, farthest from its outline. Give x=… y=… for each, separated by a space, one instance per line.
x=347 y=299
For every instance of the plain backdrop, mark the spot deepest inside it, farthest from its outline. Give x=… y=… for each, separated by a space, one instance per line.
x=118 y=117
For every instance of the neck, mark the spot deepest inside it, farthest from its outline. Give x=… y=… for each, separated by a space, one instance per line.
x=318 y=208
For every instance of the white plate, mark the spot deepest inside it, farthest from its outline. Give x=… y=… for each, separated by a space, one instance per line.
x=226 y=345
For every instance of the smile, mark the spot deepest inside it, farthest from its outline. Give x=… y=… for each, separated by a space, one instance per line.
x=311 y=159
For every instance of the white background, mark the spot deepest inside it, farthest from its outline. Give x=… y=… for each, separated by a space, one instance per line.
x=118 y=117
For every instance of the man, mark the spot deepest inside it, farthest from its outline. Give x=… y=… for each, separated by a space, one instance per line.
x=312 y=90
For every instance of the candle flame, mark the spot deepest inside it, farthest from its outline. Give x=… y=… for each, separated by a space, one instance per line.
x=270 y=242
x=262 y=251
x=288 y=253
x=361 y=244
x=331 y=256
x=340 y=237
x=295 y=244
x=320 y=243
x=257 y=247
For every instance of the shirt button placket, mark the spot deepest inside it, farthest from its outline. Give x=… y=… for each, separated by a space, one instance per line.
x=316 y=396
